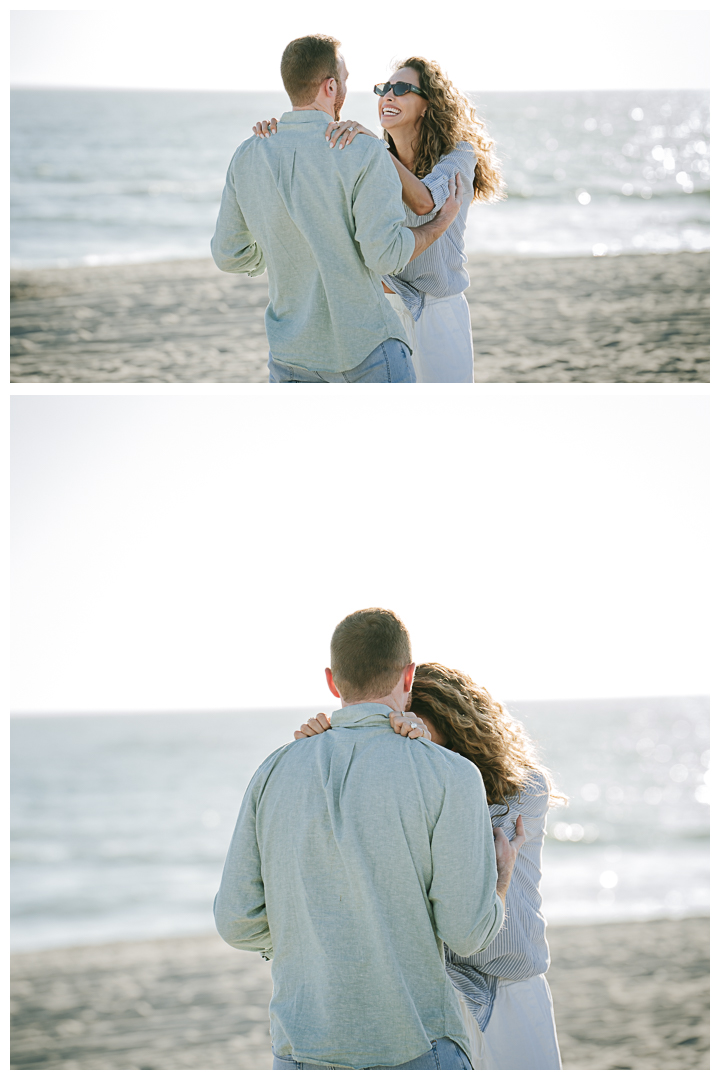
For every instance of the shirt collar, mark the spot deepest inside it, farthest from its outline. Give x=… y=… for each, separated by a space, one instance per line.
x=311 y=116
x=363 y=714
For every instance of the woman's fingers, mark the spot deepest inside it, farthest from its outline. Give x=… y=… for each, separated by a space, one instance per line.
x=315 y=726
x=344 y=130
x=339 y=133
x=409 y=725
x=265 y=128
x=349 y=134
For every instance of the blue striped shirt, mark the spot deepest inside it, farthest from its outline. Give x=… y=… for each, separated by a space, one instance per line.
x=440 y=270
x=520 y=949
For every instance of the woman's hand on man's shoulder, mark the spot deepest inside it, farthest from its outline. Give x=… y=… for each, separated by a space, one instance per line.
x=342 y=132
x=409 y=725
x=315 y=726
x=265 y=128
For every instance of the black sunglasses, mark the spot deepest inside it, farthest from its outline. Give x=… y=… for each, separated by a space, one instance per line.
x=398 y=89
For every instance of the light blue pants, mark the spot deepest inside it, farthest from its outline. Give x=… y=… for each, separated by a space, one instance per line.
x=443 y=1054
x=390 y=362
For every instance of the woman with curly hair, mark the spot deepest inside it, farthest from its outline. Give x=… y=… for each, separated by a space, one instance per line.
x=503 y=992
x=433 y=134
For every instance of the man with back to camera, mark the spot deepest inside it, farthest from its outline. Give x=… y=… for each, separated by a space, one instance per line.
x=355 y=856
x=327 y=225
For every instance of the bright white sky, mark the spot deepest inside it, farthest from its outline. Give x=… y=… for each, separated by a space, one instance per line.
x=197 y=551
x=238 y=46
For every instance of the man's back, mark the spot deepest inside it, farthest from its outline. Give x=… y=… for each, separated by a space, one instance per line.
x=371 y=850
x=328 y=223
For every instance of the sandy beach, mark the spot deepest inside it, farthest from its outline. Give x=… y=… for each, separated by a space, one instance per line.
x=627 y=996
x=630 y=318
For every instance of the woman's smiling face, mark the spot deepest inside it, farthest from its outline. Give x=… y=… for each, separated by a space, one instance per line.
x=402 y=113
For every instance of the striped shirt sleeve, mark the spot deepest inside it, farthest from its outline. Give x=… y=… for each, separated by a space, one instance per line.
x=460 y=160
x=520 y=949
x=440 y=270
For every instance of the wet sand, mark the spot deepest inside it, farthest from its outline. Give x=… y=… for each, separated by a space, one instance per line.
x=627 y=996
x=632 y=318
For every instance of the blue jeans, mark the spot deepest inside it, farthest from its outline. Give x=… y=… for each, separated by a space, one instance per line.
x=443 y=1054
x=389 y=362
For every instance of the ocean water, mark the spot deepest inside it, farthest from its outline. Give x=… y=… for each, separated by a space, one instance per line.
x=120 y=824
x=122 y=176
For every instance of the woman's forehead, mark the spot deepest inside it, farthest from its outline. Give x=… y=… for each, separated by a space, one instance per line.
x=408 y=75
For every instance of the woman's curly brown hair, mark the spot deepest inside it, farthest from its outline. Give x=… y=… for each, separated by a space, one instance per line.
x=473 y=724
x=450 y=119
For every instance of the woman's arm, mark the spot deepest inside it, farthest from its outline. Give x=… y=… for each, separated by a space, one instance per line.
x=415 y=194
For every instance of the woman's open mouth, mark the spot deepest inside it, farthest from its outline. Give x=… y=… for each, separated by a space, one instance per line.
x=388 y=110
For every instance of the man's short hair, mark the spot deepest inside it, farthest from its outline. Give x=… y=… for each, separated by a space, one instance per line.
x=368 y=652
x=306 y=63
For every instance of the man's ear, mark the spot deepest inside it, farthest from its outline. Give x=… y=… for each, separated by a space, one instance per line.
x=333 y=689
x=407 y=681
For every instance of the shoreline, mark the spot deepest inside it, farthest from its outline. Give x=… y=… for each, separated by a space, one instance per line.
x=627 y=995
x=625 y=318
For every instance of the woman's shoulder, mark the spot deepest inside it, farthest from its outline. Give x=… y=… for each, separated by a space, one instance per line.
x=461 y=150
x=461 y=155
x=536 y=783
x=533 y=795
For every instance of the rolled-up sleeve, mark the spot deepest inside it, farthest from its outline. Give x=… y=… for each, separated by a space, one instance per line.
x=233 y=247
x=240 y=911
x=386 y=244
x=467 y=911
x=460 y=160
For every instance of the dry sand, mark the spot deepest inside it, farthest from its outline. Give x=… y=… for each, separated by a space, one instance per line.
x=627 y=996
x=633 y=318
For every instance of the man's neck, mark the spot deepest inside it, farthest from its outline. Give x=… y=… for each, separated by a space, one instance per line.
x=316 y=107
x=391 y=701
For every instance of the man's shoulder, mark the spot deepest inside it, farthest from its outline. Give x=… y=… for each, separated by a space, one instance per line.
x=371 y=149
x=446 y=764
x=263 y=770
x=247 y=147
x=457 y=765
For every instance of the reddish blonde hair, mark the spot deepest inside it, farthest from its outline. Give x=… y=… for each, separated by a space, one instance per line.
x=473 y=724
x=450 y=119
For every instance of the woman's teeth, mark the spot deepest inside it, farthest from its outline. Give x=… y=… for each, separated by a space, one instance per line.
x=391 y=112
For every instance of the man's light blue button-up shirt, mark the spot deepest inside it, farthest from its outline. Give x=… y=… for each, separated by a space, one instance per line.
x=327 y=224
x=356 y=854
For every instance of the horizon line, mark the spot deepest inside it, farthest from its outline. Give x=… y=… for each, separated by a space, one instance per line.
x=86 y=712
x=227 y=90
